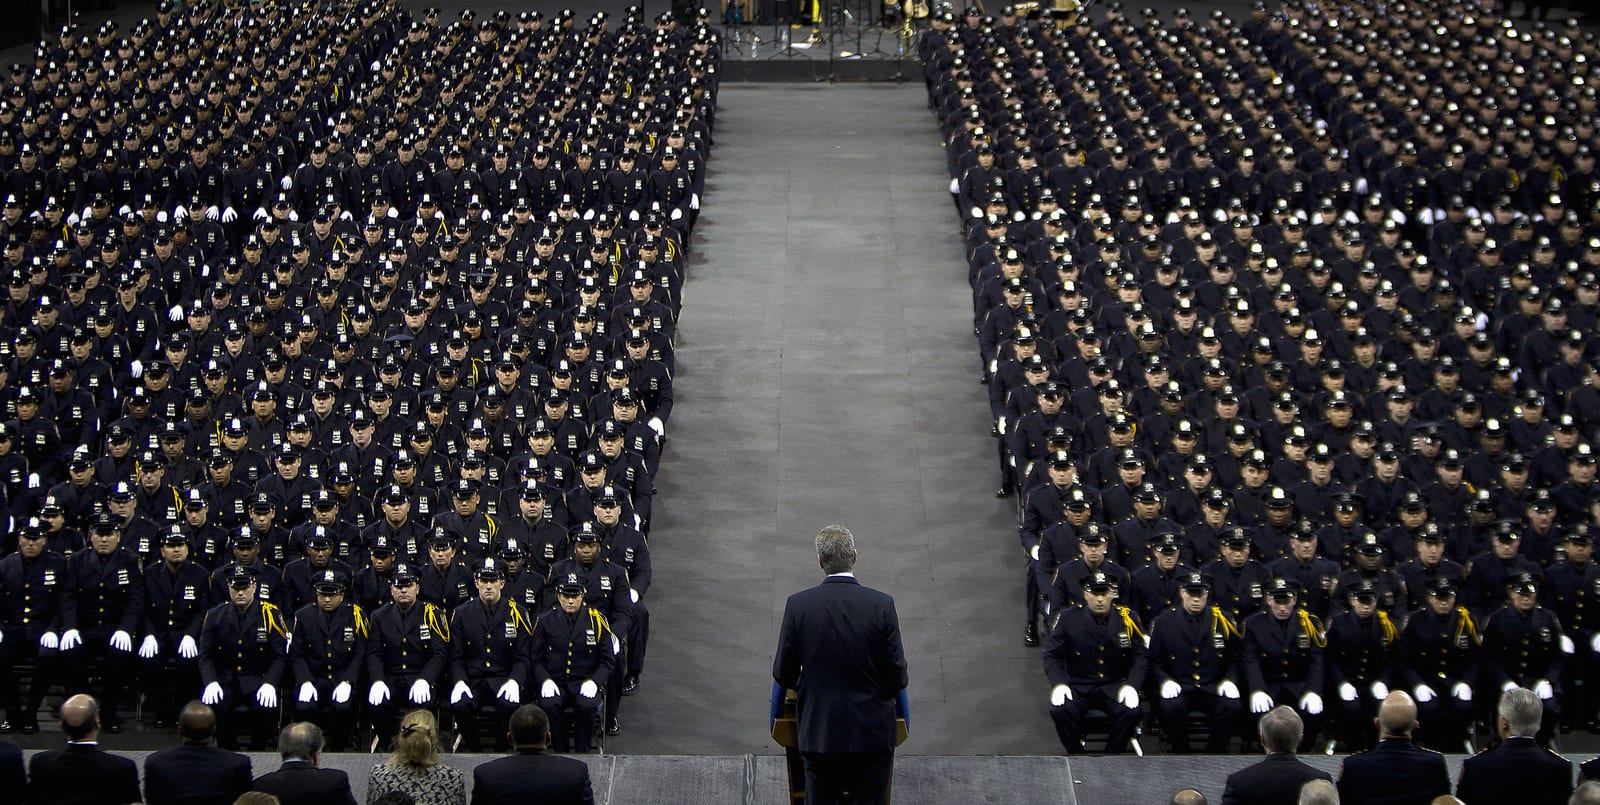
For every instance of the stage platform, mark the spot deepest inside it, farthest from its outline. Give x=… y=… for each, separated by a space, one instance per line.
x=798 y=53
x=935 y=780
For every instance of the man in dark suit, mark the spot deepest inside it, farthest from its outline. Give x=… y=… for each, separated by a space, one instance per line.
x=1518 y=770
x=195 y=772
x=1397 y=771
x=82 y=773
x=12 y=775
x=839 y=649
x=1276 y=780
x=298 y=781
x=531 y=775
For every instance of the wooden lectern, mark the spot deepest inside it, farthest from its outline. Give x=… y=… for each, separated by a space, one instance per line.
x=786 y=731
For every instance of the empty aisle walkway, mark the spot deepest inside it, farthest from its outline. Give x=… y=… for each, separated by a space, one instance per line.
x=827 y=375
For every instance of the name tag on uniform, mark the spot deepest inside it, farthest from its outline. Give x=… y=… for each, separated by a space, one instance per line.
x=1255 y=589
x=1461 y=641
x=1544 y=635
x=511 y=630
x=424 y=633
x=550 y=555
x=261 y=634
x=122 y=577
x=266 y=592
x=1303 y=641
x=189 y=593
x=590 y=637
x=1123 y=641
x=1216 y=640
x=49 y=578
x=627 y=555
x=1328 y=583
x=605 y=583
x=349 y=634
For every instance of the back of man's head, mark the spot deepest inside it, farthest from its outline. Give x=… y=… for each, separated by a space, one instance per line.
x=1587 y=794
x=80 y=717
x=1521 y=710
x=1281 y=729
x=1319 y=792
x=530 y=727
x=197 y=723
x=301 y=740
x=836 y=549
x=1188 y=796
x=1397 y=715
x=1445 y=799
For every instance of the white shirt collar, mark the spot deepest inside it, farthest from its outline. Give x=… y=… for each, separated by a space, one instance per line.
x=847 y=574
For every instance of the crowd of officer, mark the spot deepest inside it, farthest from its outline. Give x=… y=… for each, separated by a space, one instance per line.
x=1289 y=331
x=336 y=360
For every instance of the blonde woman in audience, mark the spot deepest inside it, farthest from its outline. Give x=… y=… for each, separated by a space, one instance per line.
x=414 y=768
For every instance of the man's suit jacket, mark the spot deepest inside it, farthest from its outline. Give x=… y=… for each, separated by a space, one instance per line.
x=1276 y=780
x=1397 y=772
x=840 y=649
x=195 y=775
x=1517 y=771
x=300 y=783
x=82 y=774
x=532 y=778
x=13 y=777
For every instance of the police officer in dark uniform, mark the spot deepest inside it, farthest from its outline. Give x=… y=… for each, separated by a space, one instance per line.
x=1066 y=589
x=1315 y=576
x=625 y=546
x=36 y=606
x=110 y=589
x=1484 y=591
x=370 y=586
x=574 y=655
x=446 y=581
x=536 y=529
x=177 y=593
x=1571 y=590
x=1429 y=563
x=1238 y=581
x=242 y=647
x=326 y=657
x=407 y=646
x=246 y=550
x=1369 y=556
x=488 y=654
x=1523 y=646
x=1437 y=661
x=609 y=592
x=1095 y=660
x=300 y=576
x=1194 y=664
x=1360 y=642
x=1283 y=657
x=524 y=585
x=1154 y=587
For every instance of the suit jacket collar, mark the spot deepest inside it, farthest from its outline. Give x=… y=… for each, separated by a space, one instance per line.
x=840 y=579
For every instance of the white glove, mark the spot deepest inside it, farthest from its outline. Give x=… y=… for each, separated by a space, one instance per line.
x=421 y=692
x=73 y=219
x=187 y=649
x=1507 y=686
x=212 y=212
x=136 y=369
x=212 y=695
x=510 y=691
x=634 y=595
x=1034 y=552
x=341 y=693
x=48 y=640
x=161 y=217
x=1347 y=691
x=1128 y=697
x=1594 y=643
x=308 y=693
x=378 y=694
x=588 y=689
x=175 y=313
x=1567 y=646
x=1461 y=692
x=1543 y=690
x=459 y=692
x=34 y=481
x=1311 y=703
x=267 y=696
x=69 y=639
x=286 y=182
x=549 y=690
x=121 y=641
x=148 y=647
x=1059 y=695
x=260 y=214
x=1379 y=690
x=295 y=216
x=1424 y=694
x=124 y=210
x=346 y=216
x=1227 y=690
x=230 y=215
x=181 y=214
x=1170 y=689
x=658 y=426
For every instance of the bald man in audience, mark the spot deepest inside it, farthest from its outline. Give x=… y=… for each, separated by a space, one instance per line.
x=1188 y=796
x=1318 y=792
x=195 y=772
x=1396 y=771
x=82 y=773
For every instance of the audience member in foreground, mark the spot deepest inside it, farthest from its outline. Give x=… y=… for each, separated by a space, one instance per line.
x=195 y=772
x=1518 y=770
x=82 y=773
x=298 y=781
x=1278 y=778
x=531 y=774
x=414 y=768
x=1396 y=771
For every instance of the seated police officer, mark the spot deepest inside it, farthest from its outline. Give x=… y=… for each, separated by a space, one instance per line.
x=326 y=655
x=242 y=646
x=406 y=652
x=1523 y=646
x=1194 y=662
x=34 y=611
x=177 y=593
x=1283 y=661
x=110 y=608
x=1095 y=660
x=609 y=592
x=488 y=654
x=1437 y=660
x=1360 y=642
x=573 y=659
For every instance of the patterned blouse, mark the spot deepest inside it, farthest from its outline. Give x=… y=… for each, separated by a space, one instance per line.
x=432 y=785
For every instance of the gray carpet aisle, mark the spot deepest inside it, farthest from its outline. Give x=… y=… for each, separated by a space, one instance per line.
x=827 y=374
